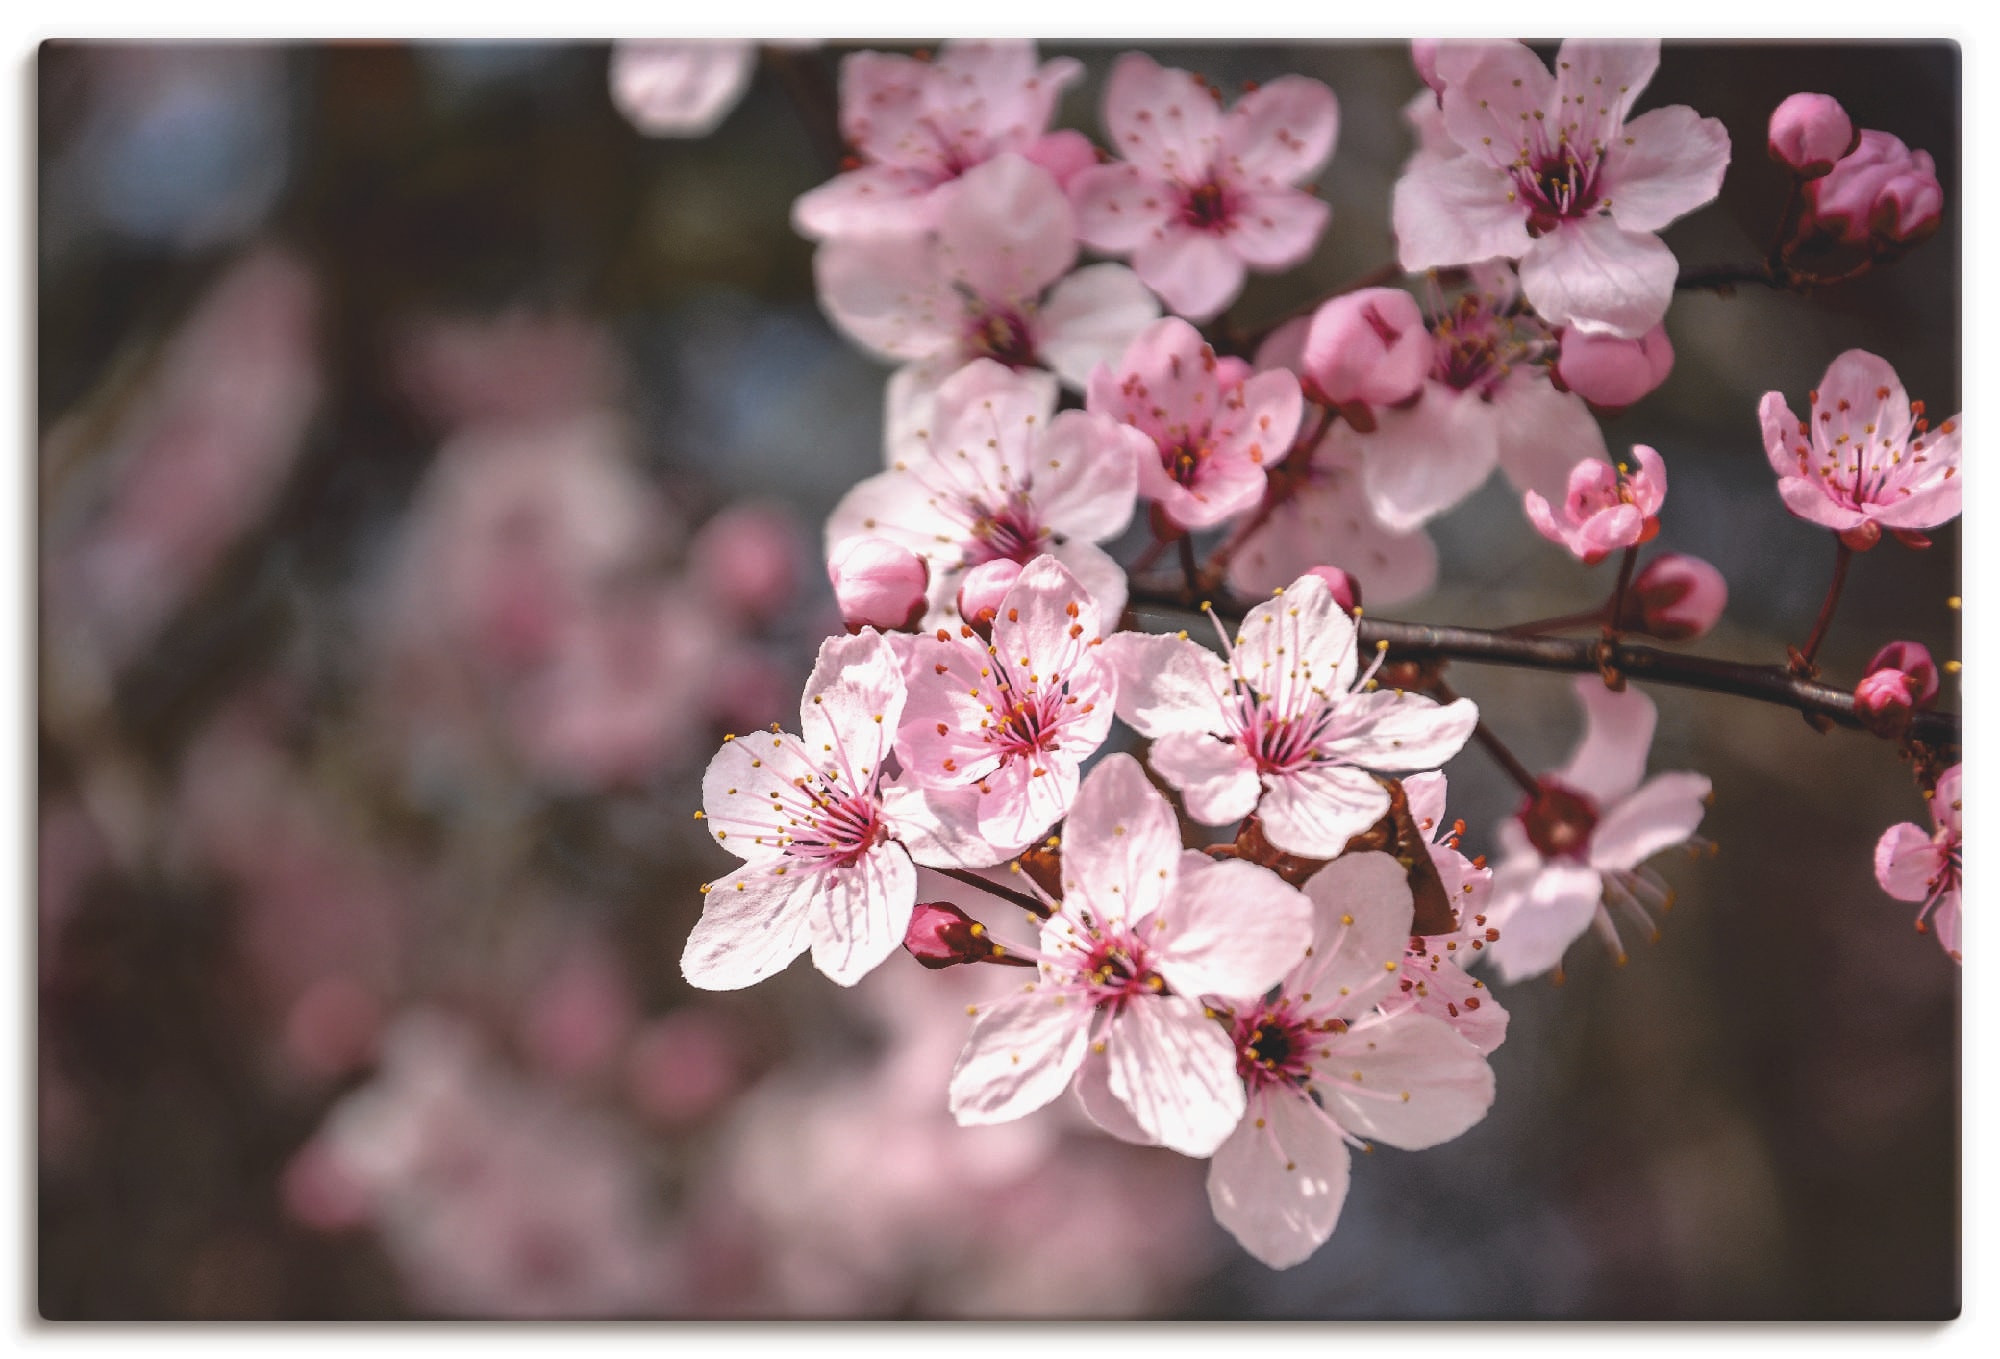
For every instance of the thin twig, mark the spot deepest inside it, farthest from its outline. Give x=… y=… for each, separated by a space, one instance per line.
x=1032 y=905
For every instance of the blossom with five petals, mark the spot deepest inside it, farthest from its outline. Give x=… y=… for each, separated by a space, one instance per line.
x=1143 y=932
x=1544 y=168
x=1578 y=845
x=1202 y=196
x=1287 y=726
x=1913 y=866
x=1606 y=509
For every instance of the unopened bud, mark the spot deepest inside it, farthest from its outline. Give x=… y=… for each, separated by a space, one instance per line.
x=1611 y=373
x=1676 y=598
x=878 y=584
x=984 y=590
x=1911 y=659
x=1346 y=589
x=1810 y=133
x=1368 y=346
x=1880 y=193
x=1883 y=702
x=941 y=936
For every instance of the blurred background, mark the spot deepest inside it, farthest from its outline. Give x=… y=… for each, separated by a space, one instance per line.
x=431 y=469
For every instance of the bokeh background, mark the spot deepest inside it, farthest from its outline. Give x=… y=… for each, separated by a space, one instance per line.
x=431 y=470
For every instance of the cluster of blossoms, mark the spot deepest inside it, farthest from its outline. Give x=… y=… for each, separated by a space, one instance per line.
x=1299 y=984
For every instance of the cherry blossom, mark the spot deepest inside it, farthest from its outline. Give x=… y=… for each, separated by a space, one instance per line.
x=1606 y=509
x=1215 y=437
x=808 y=817
x=1286 y=726
x=1809 y=133
x=1901 y=679
x=1913 y=866
x=1014 y=717
x=1143 y=932
x=1880 y=194
x=679 y=89
x=1434 y=979
x=1611 y=373
x=1545 y=169
x=992 y=281
x=998 y=474
x=1202 y=196
x=1578 y=845
x=1867 y=459
x=917 y=126
x=1321 y=1069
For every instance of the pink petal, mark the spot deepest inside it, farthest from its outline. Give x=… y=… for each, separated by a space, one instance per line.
x=1018 y=804
x=1667 y=163
x=1221 y=490
x=1106 y=1110
x=1281 y=132
x=1006 y=230
x=1945 y=809
x=1175 y=1069
x=1807 y=498
x=1102 y=577
x=736 y=793
x=1603 y=79
x=679 y=89
x=1315 y=810
x=1164 y=382
x=1020 y=1054
x=1662 y=814
x=1543 y=433
x=1195 y=273
x=1090 y=317
x=1946 y=924
x=1161 y=119
x=1856 y=377
x=1782 y=439
x=1064 y=154
x=875 y=200
x=1232 y=929
x=1086 y=475
x=1419 y=1082
x=1362 y=910
x=1907 y=861
x=1217 y=782
x=940 y=827
x=1606 y=532
x=1119 y=207
x=1610 y=761
x=1539 y=910
x=1938 y=504
x=1260 y=422
x=1278 y=1183
x=1121 y=833
x=753 y=923
x=1277 y=228
x=1420 y=461
x=1168 y=684
x=1387 y=730
x=1425 y=794
x=881 y=96
x=889 y=294
x=1492 y=90
x=1302 y=634
x=852 y=704
x=1329 y=523
x=1456 y=210
x=1600 y=278
x=860 y=913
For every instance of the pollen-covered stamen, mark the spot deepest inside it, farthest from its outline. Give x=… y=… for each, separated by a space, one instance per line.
x=1112 y=966
x=1002 y=335
x=1476 y=345
x=1010 y=531
x=1862 y=463
x=1559 y=820
x=1208 y=206
x=1274 y=1045
x=1558 y=183
x=839 y=833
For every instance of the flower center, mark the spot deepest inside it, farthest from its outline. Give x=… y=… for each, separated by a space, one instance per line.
x=1558 y=186
x=838 y=832
x=1559 y=820
x=1003 y=336
x=1273 y=1046
x=1010 y=532
x=1183 y=458
x=1207 y=207
x=1116 y=969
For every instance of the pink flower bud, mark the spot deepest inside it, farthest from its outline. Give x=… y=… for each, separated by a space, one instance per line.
x=1880 y=193
x=941 y=935
x=1368 y=346
x=1676 y=598
x=1913 y=660
x=1346 y=589
x=982 y=591
x=1884 y=703
x=1810 y=132
x=878 y=584
x=749 y=558
x=1611 y=373
x=1424 y=56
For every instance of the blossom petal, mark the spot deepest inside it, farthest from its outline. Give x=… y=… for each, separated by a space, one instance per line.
x=1102 y=577
x=1604 y=280
x=1539 y=910
x=1491 y=91
x=1217 y=782
x=1667 y=163
x=1168 y=684
x=1907 y=862
x=1278 y=1183
x=1302 y=636
x=1421 y=461
x=1020 y=1054
x=753 y=923
x=1543 y=433
x=1937 y=504
x=1175 y=1069
x=888 y=294
x=1807 y=498
x=853 y=701
x=1784 y=443
x=1119 y=207
x=1387 y=730
x=1277 y=228
x=1407 y=1079
x=1602 y=79
x=1316 y=809
x=1362 y=909
x=940 y=826
x=1160 y=118
x=1456 y=210
x=736 y=792
x=1120 y=834
x=875 y=200
x=861 y=912
x=1662 y=814
x=1086 y=475
x=1618 y=727
x=1106 y=1110
x=1090 y=317
x=1231 y=929
x=1197 y=274
x=1281 y=132
x=1006 y=230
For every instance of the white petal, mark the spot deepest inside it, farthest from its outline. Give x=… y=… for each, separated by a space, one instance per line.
x=1617 y=736
x=1420 y=462
x=1362 y=908
x=889 y=294
x=861 y=912
x=752 y=924
x=1316 y=809
x=1662 y=814
x=1406 y=1079
x=852 y=703
x=1090 y=317
x=1542 y=434
x=1120 y=844
x=1020 y=1054
x=1106 y=1110
x=1539 y=911
x=1168 y=684
x=1217 y=782
x=1389 y=730
x=1278 y=1188
x=1175 y=1070
x=1231 y=929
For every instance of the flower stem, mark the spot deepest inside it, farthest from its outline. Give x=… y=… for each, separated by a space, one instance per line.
x=1031 y=905
x=1802 y=659
x=1495 y=747
x=1617 y=609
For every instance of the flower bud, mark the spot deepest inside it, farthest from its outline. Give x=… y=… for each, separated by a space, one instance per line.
x=878 y=584
x=1881 y=193
x=749 y=558
x=1883 y=703
x=1810 y=132
x=1912 y=660
x=1368 y=346
x=1611 y=373
x=983 y=590
x=941 y=936
x=1676 y=598
x=1346 y=589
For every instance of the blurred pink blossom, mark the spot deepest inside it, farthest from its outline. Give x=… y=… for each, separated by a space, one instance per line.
x=679 y=89
x=1928 y=868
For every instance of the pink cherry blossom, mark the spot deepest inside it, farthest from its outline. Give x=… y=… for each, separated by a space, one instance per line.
x=1901 y=679
x=1578 y=846
x=1214 y=438
x=1286 y=726
x=1867 y=457
x=1606 y=509
x=1880 y=194
x=679 y=89
x=1546 y=169
x=1202 y=196
x=878 y=584
x=1143 y=932
x=1015 y=717
x=997 y=473
x=1809 y=133
x=1323 y=1068
x=992 y=281
x=1913 y=866
x=1434 y=979
x=807 y=815
x=917 y=126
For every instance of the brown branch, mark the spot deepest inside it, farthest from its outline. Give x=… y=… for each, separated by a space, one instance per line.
x=1765 y=683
